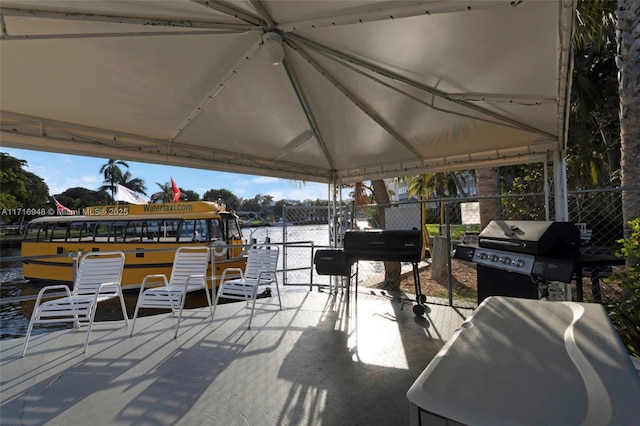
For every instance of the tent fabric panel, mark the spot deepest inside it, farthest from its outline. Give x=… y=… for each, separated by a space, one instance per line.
x=147 y=88
x=461 y=52
x=400 y=94
x=178 y=10
x=256 y=113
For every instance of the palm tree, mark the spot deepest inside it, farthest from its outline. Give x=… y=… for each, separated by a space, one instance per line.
x=381 y=197
x=434 y=185
x=598 y=16
x=165 y=195
x=360 y=196
x=595 y=32
x=135 y=184
x=594 y=135
x=112 y=175
x=489 y=203
x=628 y=62
x=391 y=269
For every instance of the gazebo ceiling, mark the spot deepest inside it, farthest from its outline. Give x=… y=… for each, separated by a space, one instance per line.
x=365 y=89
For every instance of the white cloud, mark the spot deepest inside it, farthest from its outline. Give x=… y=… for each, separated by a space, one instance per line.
x=264 y=180
x=309 y=191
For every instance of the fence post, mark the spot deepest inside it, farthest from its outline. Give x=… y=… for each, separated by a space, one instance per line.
x=439 y=257
x=449 y=274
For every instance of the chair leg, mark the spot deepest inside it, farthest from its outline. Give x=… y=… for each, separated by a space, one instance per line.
x=92 y=316
x=124 y=308
x=253 y=305
x=278 y=290
x=29 y=329
x=76 y=322
x=135 y=315
x=180 y=314
x=206 y=290
x=215 y=303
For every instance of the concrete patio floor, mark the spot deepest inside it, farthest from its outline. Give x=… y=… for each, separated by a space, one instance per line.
x=324 y=359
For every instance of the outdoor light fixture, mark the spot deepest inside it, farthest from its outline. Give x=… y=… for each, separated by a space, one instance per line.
x=272 y=47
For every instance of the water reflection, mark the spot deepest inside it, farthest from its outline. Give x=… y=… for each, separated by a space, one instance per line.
x=14 y=316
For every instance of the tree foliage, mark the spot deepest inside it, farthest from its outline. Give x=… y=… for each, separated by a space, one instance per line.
x=134 y=184
x=259 y=203
x=189 y=195
x=78 y=198
x=625 y=314
x=628 y=62
x=223 y=195
x=593 y=157
x=522 y=181
x=20 y=189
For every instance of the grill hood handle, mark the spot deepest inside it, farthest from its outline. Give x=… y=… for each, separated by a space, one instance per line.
x=512 y=230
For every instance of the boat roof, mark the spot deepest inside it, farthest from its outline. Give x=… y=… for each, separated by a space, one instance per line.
x=185 y=210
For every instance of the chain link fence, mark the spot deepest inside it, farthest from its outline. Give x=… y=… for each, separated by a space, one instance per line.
x=597 y=214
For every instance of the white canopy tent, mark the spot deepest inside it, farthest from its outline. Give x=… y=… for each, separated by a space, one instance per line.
x=365 y=89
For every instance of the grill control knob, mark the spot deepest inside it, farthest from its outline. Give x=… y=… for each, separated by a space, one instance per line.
x=506 y=260
x=519 y=263
x=495 y=258
x=483 y=256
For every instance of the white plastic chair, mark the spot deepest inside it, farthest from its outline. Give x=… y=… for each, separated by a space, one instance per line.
x=188 y=274
x=262 y=262
x=97 y=279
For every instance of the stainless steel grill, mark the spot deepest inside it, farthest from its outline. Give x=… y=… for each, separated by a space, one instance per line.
x=520 y=258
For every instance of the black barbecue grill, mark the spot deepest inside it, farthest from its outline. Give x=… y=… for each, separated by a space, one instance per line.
x=378 y=245
x=393 y=245
x=518 y=258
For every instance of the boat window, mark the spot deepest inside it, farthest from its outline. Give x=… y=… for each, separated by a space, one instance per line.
x=134 y=232
x=202 y=229
x=88 y=231
x=186 y=231
x=233 y=229
x=168 y=230
x=102 y=232
x=45 y=231
x=31 y=234
x=216 y=230
x=194 y=230
x=79 y=231
x=151 y=230
x=117 y=231
x=59 y=231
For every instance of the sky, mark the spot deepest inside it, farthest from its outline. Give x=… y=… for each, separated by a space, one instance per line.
x=63 y=171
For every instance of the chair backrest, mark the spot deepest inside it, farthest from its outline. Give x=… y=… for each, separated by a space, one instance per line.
x=98 y=268
x=189 y=261
x=261 y=258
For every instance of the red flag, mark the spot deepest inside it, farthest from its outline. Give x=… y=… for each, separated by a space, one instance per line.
x=176 y=191
x=62 y=210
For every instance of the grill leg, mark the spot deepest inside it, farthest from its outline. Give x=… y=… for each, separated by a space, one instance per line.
x=418 y=309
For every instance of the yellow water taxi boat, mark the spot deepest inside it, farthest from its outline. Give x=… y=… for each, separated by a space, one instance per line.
x=147 y=234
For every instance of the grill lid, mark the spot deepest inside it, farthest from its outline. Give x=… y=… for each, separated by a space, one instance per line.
x=384 y=245
x=553 y=239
